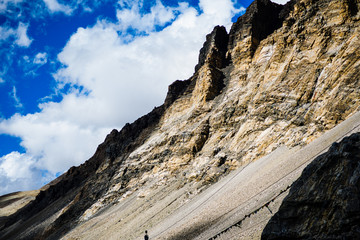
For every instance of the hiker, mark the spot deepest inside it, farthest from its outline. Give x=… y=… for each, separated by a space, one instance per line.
x=146 y=237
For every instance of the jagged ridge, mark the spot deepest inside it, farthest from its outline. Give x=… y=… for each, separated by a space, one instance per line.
x=266 y=84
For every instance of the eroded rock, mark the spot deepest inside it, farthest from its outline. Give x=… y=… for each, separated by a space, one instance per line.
x=324 y=203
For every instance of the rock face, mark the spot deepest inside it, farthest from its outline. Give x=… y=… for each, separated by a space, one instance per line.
x=282 y=77
x=261 y=19
x=324 y=203
x=214 y=50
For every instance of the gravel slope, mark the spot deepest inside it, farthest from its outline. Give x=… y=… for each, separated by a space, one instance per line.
x=236 y=207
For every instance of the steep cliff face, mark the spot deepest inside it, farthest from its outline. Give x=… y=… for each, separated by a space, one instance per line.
x=281 y=77
x=324 y=203
x=261 y=19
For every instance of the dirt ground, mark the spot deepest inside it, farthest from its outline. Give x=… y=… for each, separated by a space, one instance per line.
x=10 y=203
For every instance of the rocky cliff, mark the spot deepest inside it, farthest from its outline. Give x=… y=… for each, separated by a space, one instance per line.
x=283 y=76
x=324 y=202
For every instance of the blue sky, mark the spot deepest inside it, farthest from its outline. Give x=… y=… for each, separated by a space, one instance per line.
x=72 y=70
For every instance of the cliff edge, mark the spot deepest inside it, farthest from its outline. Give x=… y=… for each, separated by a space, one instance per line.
x=282 y=77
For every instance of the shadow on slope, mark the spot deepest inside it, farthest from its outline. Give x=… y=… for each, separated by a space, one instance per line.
x=324 y=203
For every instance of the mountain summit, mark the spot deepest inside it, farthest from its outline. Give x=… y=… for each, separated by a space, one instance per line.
x=283 y=77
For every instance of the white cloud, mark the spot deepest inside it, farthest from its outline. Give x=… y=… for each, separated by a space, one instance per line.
x=17 y=170
x=132 y=17
x=19 y=34
x=123 y=80
x=16 y=165
x=56 y=144
x=40 y=58
x=280 y=1
x=5 y=33
x=3 y=72
x=19 y=11
x=4 y=4
x=30 y=65
x=16 y=99
x=97 y=59
x=22 y=38
x=55 y=6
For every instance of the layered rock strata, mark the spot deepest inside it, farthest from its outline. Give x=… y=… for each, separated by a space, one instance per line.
x=282 y=77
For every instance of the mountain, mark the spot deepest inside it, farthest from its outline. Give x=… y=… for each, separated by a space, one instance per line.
x=283 y=77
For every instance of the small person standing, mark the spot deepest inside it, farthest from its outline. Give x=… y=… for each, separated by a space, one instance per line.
x=146 y=237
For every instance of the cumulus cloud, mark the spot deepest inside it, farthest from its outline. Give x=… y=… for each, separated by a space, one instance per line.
x=16 y=165
x=98 y=59
x=110 y=77
x=54 y=144
x=17 y=169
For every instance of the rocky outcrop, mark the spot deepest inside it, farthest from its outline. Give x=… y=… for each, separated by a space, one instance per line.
x=324 y=203
x=175 y=90
x=212 y=57
x=261 y=19
x=214 y=49
x=282 y=77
